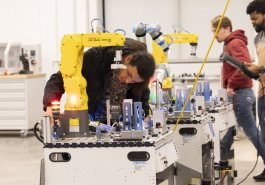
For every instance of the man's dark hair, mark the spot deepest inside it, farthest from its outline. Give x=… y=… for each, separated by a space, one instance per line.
x=132 y=46
x=145 y=64
x=256 y=5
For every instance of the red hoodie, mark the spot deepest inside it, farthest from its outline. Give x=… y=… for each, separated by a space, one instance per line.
x=236 y=46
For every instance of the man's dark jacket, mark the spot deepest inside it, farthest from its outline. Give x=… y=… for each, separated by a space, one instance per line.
x=97 y=70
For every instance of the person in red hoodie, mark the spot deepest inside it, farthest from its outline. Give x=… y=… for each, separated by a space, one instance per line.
x=239 y=87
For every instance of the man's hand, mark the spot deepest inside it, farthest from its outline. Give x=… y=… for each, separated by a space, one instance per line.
x=254 y=68
x=230 y=92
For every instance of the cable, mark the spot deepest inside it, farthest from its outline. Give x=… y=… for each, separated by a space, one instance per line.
x=90 y=117
x=203 y=63
x=105 y=30
x=122 y=30
x=37 y=132
x=248 y=173
x=91 y=23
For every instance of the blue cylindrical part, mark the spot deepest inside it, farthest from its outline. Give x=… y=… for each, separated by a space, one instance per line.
x=127 y=120
x=197 y=89
x=186 y=94
x=207 y=91
x=178 y=101
x=138 y=118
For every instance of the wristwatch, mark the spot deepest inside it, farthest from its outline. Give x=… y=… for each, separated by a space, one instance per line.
x=262 y=69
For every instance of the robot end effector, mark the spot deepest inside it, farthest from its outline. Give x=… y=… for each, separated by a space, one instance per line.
x=153 y=29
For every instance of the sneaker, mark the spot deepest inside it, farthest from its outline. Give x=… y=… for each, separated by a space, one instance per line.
x=260 y=177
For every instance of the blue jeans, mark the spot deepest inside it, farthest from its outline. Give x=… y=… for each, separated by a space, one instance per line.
x=226 y=144
x=243 y=101
x=261 y=114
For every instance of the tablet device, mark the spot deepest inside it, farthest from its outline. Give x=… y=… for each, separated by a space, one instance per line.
x=240 y=66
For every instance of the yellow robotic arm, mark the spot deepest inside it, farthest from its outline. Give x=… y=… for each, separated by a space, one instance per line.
x=184 y=38
x=175 y=38
x=72 y=51
x=74 y=121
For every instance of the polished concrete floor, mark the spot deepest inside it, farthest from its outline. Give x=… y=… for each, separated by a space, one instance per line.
x=20 y=160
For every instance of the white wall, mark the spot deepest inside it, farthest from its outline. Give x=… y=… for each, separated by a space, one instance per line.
x=192 y=15
x=46 y=21
x=60 y=17
x=19 y=21
x=124 y=14
x=198 y=15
